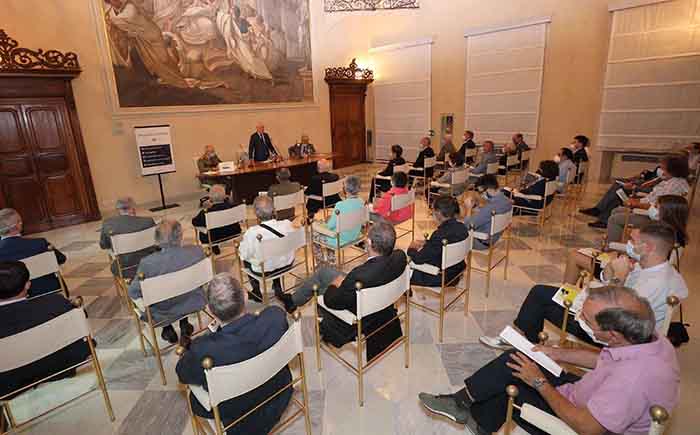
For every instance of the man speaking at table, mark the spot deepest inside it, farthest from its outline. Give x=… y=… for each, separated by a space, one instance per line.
x=260 y=147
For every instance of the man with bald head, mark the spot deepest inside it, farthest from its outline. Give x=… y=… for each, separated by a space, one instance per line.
x=636 y=369
x=13 y=246
x=172 y=257
x=260 y=147
x=315 y=188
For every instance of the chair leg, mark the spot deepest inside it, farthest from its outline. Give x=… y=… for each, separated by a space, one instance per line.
x=193 y=419
x=360 y=372
x=468 y=284
x=442 y=314
x=139 y=327
x=156 y=350
x=10 y=417
x=488 y=271
x=305 y=393
x=101 y=379
x=407 y=343
x=318 y=334
x=505 y=264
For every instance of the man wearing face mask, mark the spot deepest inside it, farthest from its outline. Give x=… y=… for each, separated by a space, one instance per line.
x=635 y=370
x=479 y=217
x=648 y=272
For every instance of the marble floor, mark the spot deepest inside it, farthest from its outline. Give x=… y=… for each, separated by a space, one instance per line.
x=144 y=406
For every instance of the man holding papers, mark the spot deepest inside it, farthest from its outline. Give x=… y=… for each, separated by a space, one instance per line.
x=635 y=370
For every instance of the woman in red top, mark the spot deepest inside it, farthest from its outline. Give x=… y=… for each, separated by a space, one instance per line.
x=382 y=207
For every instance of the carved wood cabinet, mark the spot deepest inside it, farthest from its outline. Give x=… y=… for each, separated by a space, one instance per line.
x=44 y=171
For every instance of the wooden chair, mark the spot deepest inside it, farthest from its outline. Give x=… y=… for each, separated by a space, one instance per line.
x=234 y=380
x=500 y=225
x=369 y=301
x=46 y=264
x=451 y=254
x=348 y=221
x=42 y=340
x=129 y=243
x=218 y=219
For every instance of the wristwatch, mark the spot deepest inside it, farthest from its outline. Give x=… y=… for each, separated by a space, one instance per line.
x=538 y=383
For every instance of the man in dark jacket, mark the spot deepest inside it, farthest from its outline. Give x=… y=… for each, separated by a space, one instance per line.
x=240 y=337
x=426 y=152
x=18 y=314
x=468 y=144
x=445 y=212
x=315 y=188
x=15 y=247
x=385 y=184
x=218 y=201
x=260 y=147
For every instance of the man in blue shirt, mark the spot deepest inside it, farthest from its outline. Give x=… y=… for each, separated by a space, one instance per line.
x=479 y=217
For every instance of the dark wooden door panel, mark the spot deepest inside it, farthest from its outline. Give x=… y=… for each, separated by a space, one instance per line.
x=61 y=196
x=46 y=127
x=348 y=123
x=11 y=134
x=26 y=196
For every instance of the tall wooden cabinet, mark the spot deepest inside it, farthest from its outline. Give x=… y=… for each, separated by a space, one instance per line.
x=44 y=172
x=347 y=92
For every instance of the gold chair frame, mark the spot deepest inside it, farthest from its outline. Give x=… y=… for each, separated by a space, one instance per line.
x=338 y=248
x=209 y=244
x=59 y=276
x=401 y=231
x=506 y=235
x=120 y=282
x=423 y=178
x=542 y=213
x=323 y=198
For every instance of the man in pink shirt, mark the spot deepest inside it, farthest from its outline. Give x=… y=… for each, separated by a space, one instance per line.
x=382 y=207
x=635 y=370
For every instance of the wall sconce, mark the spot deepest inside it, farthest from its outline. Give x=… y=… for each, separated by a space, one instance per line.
x=351 y=72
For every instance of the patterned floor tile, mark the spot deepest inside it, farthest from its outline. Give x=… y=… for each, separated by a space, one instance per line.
x=116 y=334
x=107 y=307
x=461 y=360
x=87 y=270
x=157 y=412
x=493 y=322
x=544 y=273
x=94 y=287
x=131 y=371
x=77 y=246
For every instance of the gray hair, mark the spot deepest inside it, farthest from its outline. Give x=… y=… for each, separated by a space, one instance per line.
x=125 y=204
x=630 y=314
x=352 y=185
x=284 y=174
x=382 y=235
x=169 y=233
x=217 y=193
x=10 y=220
x=264 y=208
x=225 y=297
x=323 y=165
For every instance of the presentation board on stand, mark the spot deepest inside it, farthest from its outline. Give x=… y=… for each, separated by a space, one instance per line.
x=155 y=152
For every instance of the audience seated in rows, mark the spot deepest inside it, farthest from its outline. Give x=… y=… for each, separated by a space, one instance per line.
x=635 y=370
x=283 y=187
x=351 y=203
x=126 y=222
x=646 y=270
x=446 y=148
x=445 y=213
x=467 y=144
x=315 y=188
x=18 y=314
x=172 y=257
x=384 y=264
x=382 y=206
x=488 y=156
x=249 y=250
x=302 y=149
x=13 y=246
x=239 y=336
x=426 y=152
x=218 y=201
x=385 y=185
x=479 y=216
x=548 y=171
x=565 y=160
x=455 y=162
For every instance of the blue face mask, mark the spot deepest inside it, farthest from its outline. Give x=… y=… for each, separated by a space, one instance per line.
x=653 y=213
x=631 y=252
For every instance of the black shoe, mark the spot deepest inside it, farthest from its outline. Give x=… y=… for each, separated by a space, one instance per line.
x=361 y=244
x=598 y=224
x=590 y=211
x=289 y=305
x=169 y=334
x=216 y=250
x=186 y=327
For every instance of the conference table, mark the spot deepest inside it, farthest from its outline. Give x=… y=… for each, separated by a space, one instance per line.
x=244 y=182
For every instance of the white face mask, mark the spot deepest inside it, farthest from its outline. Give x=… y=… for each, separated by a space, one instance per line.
x=557 y=159
x=588 y=330
x=660 y=172
x=653 y=213
x=631 y=252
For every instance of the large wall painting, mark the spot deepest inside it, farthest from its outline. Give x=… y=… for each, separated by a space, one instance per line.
x=209 y=52
x=369 y=5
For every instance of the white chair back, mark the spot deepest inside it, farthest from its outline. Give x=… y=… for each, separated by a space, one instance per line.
x=227 y=382
x=455 y=252
x=570 y=175
x=544 y=421
x=499 y=222
x=550 y=188
x=512 y=161
x=470 y=152
x=582 y=167
x=402 y=168
x=40 y=341
x=333 y=188
x=195 y=160
x=429 y=162
x=221 y=218
x=133 y=242
x=459 y=176
x=284 y=202
x=170 y=285
x=400 y=201
x=41 y=264
x=525 y=156
x=375 y=299
x=282 y=246
x=349 y=221
x=492 y=168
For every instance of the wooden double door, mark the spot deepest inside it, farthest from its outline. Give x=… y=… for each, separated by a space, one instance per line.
x=347 y=106
x=41 y=174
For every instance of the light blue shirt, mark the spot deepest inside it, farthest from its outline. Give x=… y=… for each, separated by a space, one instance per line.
x=564 y=167
x=346 y=206
x=481 y=217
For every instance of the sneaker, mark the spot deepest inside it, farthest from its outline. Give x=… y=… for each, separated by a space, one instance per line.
x=169 y=334
x=445 y=405
x=495 y=342
x=590 y=211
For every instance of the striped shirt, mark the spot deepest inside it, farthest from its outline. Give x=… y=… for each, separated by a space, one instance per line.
x=672 y=186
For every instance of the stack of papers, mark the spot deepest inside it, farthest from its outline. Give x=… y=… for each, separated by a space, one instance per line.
x=523 y=345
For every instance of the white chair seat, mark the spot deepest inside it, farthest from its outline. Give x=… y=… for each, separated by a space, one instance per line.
x=314 y=197
x=427 y=268
x=140 y=308
x=325 y=243
x=344 y=315
x=480 y=236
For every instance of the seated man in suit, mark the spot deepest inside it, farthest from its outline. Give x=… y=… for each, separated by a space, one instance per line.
x=635 y=369
x=302 y=149
x=548 y=171
x=488 y=156
x=18 y=314
x=283 y=187
x=171 y=258
x=218 y=201
x=384 y=264
x=454 y=163
x=15 y=247
x=260 y=146
x=209 y=161
x=315 y=188
x=519 y=142
x=249 y=250
x=479 y=217
x=385 y=185
x=239 y=337
x=425 y=152
x=468 y=144
x=445 y=212
x=126 y=222
x=509 y=149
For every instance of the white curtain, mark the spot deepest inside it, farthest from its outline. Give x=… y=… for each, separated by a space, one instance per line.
x=401 y=96
x=504 y=72
x=651 y=97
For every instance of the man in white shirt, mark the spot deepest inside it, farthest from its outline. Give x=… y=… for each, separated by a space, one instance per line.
x=249 y=249
x=645 y=269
